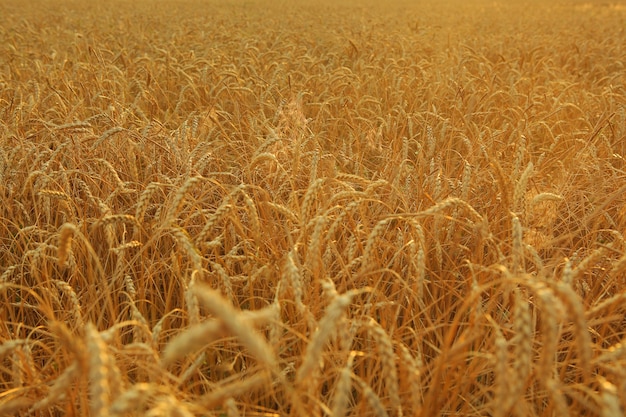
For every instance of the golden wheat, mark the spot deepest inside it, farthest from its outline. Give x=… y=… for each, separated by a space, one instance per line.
x=332 y=208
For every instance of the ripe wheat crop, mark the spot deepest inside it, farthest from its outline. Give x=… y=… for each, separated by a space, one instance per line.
x=321 y=208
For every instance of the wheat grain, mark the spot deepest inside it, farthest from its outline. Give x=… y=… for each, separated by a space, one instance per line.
x=313 y=170
x=587 y=262
x=550 y=307
x=541 y=197
x=314 y=252
x=289 y=215
x=616 y=300
x=447 y=203
x=263 y=156
x=193 y=308
x=550 y=328
x=23 y=367
x=75 y=127
x=519 y=155
x=125 y=246
x=16 y=405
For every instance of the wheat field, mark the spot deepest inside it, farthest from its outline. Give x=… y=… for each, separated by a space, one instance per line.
x=327 y=208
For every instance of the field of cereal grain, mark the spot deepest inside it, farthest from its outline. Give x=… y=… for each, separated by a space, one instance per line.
x=325 y=208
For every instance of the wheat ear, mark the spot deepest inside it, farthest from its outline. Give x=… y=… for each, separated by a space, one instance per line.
x=59 y=387
x=582 y=336
x=65 y=242
x=134 y=398
x=192 y=339
x=388 y=362
x=179 y=199
x=67 y=289
x=99 y=387
x=502 y=398
x=610 y=402
x=373 y=400
x=233 y=389
x=522 y=343
x=235 y=324
x=341 y=397
x=326 y=326
x=230 y=405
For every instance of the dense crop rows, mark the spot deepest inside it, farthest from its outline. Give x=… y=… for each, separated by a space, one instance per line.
x=249 y=208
